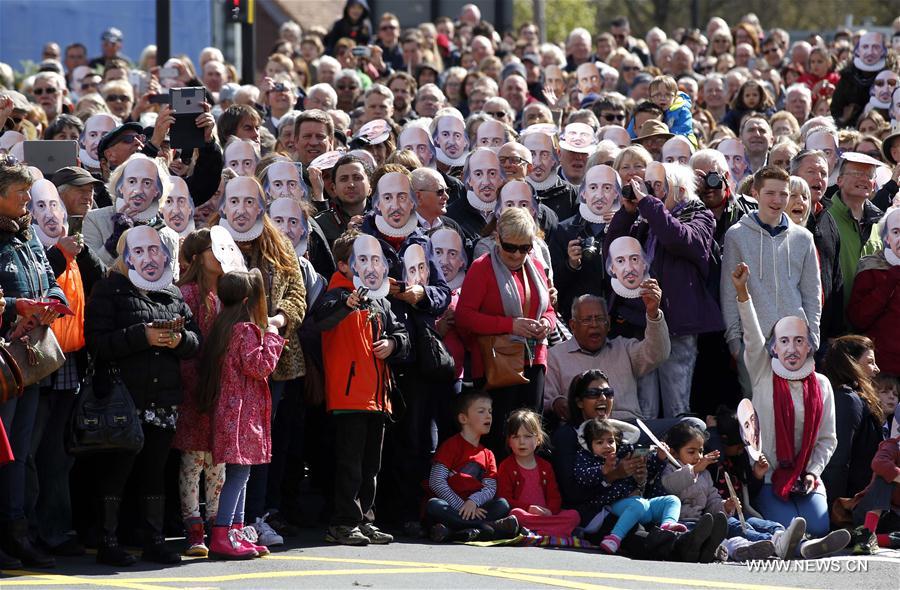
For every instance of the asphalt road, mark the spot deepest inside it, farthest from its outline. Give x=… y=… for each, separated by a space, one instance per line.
x=308 y=562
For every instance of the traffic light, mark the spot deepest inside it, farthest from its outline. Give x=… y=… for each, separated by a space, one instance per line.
x=239 y=11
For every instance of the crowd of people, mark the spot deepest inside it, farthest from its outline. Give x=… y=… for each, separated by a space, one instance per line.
x=431 y=278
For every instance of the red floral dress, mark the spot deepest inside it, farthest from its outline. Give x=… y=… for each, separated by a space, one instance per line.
x=243 y=415
x=193 y=431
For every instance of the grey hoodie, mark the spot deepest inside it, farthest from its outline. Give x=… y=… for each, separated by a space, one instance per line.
x=784 y=277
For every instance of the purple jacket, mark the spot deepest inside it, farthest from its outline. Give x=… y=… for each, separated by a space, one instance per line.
x=679 y=245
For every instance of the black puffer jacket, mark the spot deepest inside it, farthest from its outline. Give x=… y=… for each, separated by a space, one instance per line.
x=114 y=320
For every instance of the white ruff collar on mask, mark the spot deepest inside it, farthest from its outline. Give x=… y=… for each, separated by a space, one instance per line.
x=87 y=161
x=158 y=285
x=243 y=236
x=380 y=293
x=891 y=258
x=623 y=291
x=396 y=232
x=447 y=160
x=457 y=281
x=874 y=103
x=477 y=203
x=300 y=248
x=46 y=240
x=589 y=215
x=143 y=216
x=876 y=67
x=548 y=182
x=802 y=373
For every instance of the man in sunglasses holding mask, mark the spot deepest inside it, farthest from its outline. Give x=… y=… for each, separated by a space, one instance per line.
x=624 y=360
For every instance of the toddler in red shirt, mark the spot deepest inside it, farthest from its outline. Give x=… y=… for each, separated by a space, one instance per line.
x=528 y=483
x=463 y=480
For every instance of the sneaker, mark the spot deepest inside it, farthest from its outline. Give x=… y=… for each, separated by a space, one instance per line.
x=375 y=536
x=755 y=550
x=787 y=540
x=346 y=535
x=506 y=528
x=249 y=538
x=864 y=542
x=610 y=544
x=280 y=525
x=469 y=535
x=265 y=534
x=439 y=533
x=830 y=543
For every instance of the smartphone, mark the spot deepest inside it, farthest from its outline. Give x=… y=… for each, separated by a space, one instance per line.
x=168 y=72
x=75 y=224
x=138 y=80
x=402 y=286
x=361 y=51
x=640 y=452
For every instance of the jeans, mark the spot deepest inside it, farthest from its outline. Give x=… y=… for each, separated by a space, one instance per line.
x=813 y=507
x=758 y=529
x=18 y=415
x=439 y=511
x=358 y=440
x=231 y=502
x=675 y=376
x=49 y=506
x=634 y=510
x=259 y=474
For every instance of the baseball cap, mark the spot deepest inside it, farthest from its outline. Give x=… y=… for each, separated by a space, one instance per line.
x=111 y=34
x=20 y=103
x=512 y=68
x=532 y=57
x=112 y=138
x=75 y=176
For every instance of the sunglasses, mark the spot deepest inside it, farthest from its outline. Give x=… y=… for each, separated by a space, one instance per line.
x=118 y=98
x=514 y=160
x=88 y=85
x=599 y=392
x=496 y=114
x=43 y=91
x=613 y=117
x=129 y=139
x=345 y=87
x=388 y=27
x=769 y=50
x=631 y=68
x=513 y=248
x=890 y=82
x=440 y=191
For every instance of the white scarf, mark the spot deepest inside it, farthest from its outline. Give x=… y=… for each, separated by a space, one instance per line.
x=623 y=291
x=393 y=232
x=891 y=258
x=380 y=293
x=802 y=373
x=46 y=240
x=548 y=182
x=158 y=285
x=243 y=236
x=876 y=67
x=589 y=215
x=143 y=216
x=87 y=161
x=457 y=282
x=447 y=160
x=477 y=203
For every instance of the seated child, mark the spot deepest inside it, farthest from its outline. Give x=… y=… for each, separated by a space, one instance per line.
x=877 y=507
x=528 y=483
x=464 y=481
x=888 y=388
x=597 y=470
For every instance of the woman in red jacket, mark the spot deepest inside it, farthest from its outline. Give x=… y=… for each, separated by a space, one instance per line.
x=506 y=292
x=874 y=307
x=528 y=483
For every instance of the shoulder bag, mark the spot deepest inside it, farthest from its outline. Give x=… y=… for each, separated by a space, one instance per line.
x=433 y=358
x=107 y=422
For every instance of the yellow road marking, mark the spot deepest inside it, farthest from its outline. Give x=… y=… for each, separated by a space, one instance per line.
x=38 y=579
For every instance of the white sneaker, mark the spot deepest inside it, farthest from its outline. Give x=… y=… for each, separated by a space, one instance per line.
x=786 y=542
x=266 y=535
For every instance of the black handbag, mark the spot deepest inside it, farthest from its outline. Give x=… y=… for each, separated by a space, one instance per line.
x=432 y=357
x=104 y=423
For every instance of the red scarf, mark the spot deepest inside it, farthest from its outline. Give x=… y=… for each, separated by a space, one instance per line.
x=792 y=465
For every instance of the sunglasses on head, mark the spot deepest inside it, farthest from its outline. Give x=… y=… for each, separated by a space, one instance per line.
x=599 y=392
x=513 y=248
x=43 y=91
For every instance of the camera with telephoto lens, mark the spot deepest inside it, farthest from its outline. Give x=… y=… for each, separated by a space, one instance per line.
x=278 y=87
x=714 y=181
x=628 y=192
x=588 y=248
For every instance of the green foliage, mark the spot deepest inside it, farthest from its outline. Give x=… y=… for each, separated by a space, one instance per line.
x=562 y=16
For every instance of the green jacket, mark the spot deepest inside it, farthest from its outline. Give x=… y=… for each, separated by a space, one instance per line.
x=858 y=238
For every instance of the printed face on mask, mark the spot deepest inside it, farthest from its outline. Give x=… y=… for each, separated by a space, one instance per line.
x=395 y=199
x=146 y=253
x=483 y=175
x=517 y=193
x=870 y=48
x=178 y=209
x=451 y=136
x=416 y=139
x=94 y=129
x=242 y=205
x=288 y=217
x=627 y=262
x=47 y=210
x=241 y=157
x=448 y=251
x=884 y=85
x=415 y=266
x=283 y=180
x=543 y=155
x=139 y=185
x=601 y=189
x=368 y=262
x=792 y=346
x=892 y=235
